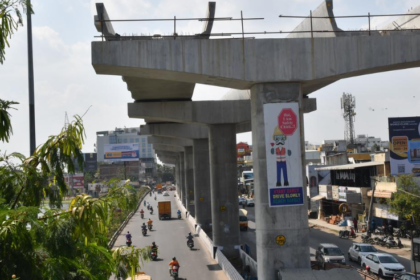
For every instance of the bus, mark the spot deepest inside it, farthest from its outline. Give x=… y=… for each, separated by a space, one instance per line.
x=415 y=255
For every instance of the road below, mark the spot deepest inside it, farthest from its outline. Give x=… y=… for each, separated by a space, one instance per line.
x=317 y=236
x=169 y=236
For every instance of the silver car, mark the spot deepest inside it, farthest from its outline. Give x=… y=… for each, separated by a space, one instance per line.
x=358 y=250
x=329 y=253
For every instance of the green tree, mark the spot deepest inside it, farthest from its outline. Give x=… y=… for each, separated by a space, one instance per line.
x=5 y=124
x=8 y=23
x=59 y=244
x=406 y=201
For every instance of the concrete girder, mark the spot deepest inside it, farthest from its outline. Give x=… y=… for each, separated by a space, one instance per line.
x=200 y=112
x=185 y=131
x=303 y=60
x=168 y=148
x=169 y=141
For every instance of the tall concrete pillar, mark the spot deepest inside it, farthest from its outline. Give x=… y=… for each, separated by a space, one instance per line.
x=178 y=190
x=182 y=176
x=189 y=180
x=224 y=193
x=202 y=195
x=291 y=222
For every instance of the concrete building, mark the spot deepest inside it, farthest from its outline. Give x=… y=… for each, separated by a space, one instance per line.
x=147 y=165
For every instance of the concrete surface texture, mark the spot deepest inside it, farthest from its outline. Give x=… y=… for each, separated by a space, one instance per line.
x=224 y=193
x=333 y=274
x=291 y=222
x=168 y=148
x=204 y=112
x=170 y=237
x=202 y=194
x=189 y=182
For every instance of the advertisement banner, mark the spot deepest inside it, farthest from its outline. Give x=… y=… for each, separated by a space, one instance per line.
x=404 y=145
x=121 y=152
x=91 y=163
x=284 y=164
x=342 y=193
x=335 y=192
x=76 y=181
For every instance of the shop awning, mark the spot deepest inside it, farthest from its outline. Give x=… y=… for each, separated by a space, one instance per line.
x=380 y=194
x=351 y=166
x=318 y=197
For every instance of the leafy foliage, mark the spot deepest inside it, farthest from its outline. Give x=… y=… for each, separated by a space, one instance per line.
x=8 y=24
x=72 y=244
x=5 y=125
x=406 y=200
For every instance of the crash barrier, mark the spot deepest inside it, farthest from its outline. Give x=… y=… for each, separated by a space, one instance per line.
x=247 y=260
x=227 y=267
x=127 y=219
x=224 y=263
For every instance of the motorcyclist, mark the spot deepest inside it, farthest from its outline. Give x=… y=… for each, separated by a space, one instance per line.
x=174 y=262
x=190 y=237
x=128 y=236
x=143 y=227
x=178 y=212
x=151 y=209
x=150 y=222
x=155 y=197
x=153 y=247
x=144 y=203
x=141 y=212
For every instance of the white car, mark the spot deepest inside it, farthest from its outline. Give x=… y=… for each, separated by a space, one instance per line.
x=165 y=194
x=382 y=264
x=357 y=250
x=250 y=202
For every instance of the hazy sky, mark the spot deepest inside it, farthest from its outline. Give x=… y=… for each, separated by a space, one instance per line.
x=66 y=82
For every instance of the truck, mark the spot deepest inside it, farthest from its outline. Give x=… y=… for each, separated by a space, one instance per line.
x=159 y=188
x=243 y=219
x=164 y=208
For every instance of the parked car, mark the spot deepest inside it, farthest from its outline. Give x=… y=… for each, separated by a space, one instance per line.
x=407 y=276
x=242 y=201
x=382 y=264
x=250 y=203
x=165 y=193
x=357 y=250
x=329 y=253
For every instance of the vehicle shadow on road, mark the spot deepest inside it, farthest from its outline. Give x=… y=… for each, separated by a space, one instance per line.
x=214 y=267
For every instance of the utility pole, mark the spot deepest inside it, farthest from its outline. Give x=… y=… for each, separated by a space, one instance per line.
x=371 y=207
x=32 y=145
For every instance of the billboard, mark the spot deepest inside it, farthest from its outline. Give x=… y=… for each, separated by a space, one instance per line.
x=404 y=145
x=121 y=152
x=283 y=154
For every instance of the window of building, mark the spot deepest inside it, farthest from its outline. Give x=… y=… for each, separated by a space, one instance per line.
x=137 y=140
x=143 y=151
x=119 y=140
x=131 y=140
x=143 y=140
x=125 y=140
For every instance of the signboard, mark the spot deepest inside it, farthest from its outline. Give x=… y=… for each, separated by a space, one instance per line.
x=91 y=163
x=404 y=144
x=335 y=192
x=329 y=192
x=382 y=211
x=283 y=154
x=280 y=239
x=76 y=181
x=342 y=193
x=121 y=152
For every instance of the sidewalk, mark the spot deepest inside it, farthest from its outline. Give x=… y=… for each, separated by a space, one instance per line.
x=322 y=224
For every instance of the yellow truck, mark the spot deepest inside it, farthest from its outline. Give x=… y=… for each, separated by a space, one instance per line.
x=243 y=219
x=164 y=208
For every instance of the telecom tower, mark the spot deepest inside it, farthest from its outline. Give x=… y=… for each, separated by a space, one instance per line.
x=348 y=104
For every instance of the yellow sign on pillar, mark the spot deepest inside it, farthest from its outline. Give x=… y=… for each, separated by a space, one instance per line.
x=280 y=239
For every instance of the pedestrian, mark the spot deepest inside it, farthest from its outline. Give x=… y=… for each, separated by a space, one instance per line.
x=186 y=214
x=355 y=224
x=390 y=229
x=373 y=225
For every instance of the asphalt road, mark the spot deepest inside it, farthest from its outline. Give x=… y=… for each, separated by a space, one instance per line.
x=170 y=237
x=316 y=236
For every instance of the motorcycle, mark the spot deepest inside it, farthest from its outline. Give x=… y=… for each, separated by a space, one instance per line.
x=144 y=232
x=174 y=272
x=142 y=215
x=190 y=243
x=179 y=215
x=155 y=197
x=151 y=211
x=153 y=255
x=148 y=207
x=344 y=234
x=150 y=226
x=391 y=243
x=128 y=242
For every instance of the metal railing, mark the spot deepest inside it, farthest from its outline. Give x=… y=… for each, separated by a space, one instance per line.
x=243 y=33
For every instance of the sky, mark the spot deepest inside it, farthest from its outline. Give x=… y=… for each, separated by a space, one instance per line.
x=65 y=80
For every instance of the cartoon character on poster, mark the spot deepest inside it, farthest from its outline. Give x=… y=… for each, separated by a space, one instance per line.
x=279 y=149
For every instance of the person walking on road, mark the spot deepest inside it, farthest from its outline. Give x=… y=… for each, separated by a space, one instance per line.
x=186 y=214
x=355 y=224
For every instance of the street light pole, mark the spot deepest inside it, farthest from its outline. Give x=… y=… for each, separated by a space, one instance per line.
x=32 y=140
x=371 y=207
